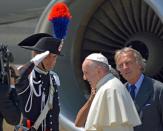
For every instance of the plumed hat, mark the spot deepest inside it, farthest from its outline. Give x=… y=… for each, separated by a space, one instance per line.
x=32 y=40
x=46 y=43
x=59 y=16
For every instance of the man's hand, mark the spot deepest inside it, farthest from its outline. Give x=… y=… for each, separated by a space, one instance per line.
x=93 y=91
x=39 y=57
x=14 y=74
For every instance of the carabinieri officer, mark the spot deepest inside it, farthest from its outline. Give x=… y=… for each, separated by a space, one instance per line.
x=37 y=86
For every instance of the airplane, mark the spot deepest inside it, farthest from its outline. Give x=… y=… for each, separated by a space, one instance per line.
x=102 y=26
x=20 y=10
x=18 y=20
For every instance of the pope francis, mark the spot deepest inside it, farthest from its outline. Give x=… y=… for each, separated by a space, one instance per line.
x=112 y=108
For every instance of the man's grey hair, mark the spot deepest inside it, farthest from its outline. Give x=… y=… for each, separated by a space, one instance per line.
x=138 y=56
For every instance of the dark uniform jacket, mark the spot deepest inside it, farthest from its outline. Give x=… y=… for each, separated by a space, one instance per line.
x=31 y=101
x=9 y=109
x=149 y=104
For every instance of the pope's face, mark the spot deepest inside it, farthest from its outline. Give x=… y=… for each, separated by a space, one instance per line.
x=129 y=68
x=90 y=73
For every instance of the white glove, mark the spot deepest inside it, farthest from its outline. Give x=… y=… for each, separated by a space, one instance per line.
x=39 y=57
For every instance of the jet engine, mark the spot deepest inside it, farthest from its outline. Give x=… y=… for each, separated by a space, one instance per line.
x=104 y=26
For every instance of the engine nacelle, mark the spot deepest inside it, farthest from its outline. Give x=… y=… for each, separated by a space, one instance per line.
x=104 y=26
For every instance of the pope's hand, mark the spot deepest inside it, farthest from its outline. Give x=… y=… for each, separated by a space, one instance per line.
x=93 y=91
x=39 y=57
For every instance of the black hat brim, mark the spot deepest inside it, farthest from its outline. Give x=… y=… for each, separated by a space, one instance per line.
x=40 y=50
x=46 y=44
x=32 y=40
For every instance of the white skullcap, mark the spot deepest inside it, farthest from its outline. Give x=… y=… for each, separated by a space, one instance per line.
x=98 y=57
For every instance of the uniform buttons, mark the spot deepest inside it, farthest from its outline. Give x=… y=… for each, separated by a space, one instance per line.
x=56 y=90
x=51 y=129
x=50 y=116
x=51 y=122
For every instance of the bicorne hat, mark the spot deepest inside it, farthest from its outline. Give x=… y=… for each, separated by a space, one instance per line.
x=42 y=42
x=33 y=39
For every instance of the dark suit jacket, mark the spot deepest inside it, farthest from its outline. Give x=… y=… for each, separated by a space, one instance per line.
x=149 y=104
x=9 y=109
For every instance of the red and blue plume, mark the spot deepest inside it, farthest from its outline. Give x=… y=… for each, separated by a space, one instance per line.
x=60 y=17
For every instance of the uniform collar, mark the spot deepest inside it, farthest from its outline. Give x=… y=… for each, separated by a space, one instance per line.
x=40 y=71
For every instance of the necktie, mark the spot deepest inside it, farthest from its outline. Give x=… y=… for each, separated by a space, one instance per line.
x=132 y=91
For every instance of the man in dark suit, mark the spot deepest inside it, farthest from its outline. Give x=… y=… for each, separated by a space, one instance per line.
x=9 y=109
x=9 y=106
x=146 y=92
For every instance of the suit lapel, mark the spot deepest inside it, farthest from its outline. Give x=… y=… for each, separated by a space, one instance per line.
x=144 y=94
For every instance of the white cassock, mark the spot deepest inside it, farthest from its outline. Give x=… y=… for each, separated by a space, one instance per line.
x=112 y=108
